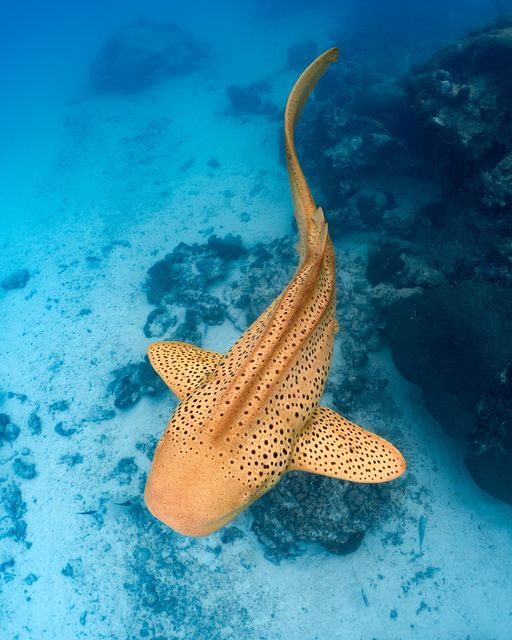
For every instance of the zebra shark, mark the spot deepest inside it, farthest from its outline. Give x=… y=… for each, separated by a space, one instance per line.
x=247 y=417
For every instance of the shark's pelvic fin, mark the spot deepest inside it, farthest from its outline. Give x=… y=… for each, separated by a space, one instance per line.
x=332 y=446
x=183 y=367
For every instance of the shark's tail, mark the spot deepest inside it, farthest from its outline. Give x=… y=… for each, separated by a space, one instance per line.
x=310 y=219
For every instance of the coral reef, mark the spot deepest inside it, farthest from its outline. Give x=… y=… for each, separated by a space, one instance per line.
x=133 y=381
x=454 y=341
x=350 y=155
x=424 y=162
x=250 y=99
x=489 y=455
x=183 y=278
x=305 y=508
x=462 y=100
x=9 y=432
x=143 y=54
x=12 y=511
x=264 y=273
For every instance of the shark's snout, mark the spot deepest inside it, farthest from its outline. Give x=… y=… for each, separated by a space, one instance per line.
x=184 y=511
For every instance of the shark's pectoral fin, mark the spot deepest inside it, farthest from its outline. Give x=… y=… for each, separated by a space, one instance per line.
x=332 y=446
x=183 y=367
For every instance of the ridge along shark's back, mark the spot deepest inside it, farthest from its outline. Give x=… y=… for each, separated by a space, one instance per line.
x=248 y=417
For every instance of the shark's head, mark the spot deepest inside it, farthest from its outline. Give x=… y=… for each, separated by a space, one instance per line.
x=186 y=488
x=187 y=512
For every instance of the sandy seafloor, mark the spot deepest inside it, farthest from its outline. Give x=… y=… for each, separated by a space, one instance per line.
x=94 y=191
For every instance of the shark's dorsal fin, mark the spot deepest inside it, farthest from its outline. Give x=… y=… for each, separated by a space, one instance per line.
x=332 y=446
x=183 y=367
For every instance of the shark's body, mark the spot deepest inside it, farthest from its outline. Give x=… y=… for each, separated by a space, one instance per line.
x=247 y=417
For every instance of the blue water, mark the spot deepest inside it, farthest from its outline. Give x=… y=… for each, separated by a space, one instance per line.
x=107 y=164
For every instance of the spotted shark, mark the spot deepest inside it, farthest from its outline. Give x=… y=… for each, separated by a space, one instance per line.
x=247 y=417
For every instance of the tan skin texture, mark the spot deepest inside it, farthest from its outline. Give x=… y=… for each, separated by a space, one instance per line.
x=249 y=416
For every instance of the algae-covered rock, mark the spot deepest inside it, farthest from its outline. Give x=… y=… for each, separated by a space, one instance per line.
x=16 y=280
x=462 y=98
x=133 y=381
x=307 y=508
x=489 y=456
x=250 y=99
x=454 y=339
x=143 y=54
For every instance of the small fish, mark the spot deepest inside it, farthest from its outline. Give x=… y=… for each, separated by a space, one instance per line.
x=422 y=525
x=365 y=599
x=87 y=513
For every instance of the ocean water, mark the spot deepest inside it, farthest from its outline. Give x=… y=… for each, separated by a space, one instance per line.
x=143 y=196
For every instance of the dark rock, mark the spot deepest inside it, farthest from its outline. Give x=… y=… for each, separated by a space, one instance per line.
x=248 y=100
x=301 y=54
x=458 y=419
x=384 y=264
x=16 y=280
x=24 y=469
x=306 y=508
x=188 y=330
x=59 y=405
x=489 y=456
x=210 y=309
x=183 y=278
x=143 y=54
x=462 y=99
x=134 y=381
x=455 y=339
x=343 y=151
x=157 y=323
x=12 y=511
x=266 y=272
x=9 y=432
x=230 y=534
x=185 y=273
x=124 y=470
x=165 y=275
x=228 y=248
x=62 y=431
x=34 y=424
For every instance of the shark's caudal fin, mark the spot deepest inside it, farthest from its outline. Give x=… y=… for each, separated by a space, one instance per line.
x=310 y=218
x=182 y=366
x=332 y=446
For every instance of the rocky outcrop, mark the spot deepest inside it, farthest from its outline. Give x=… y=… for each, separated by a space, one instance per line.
x=489 y=455
x=251 y=99
x=16 y=280
x=454 y=341
x=306 y=508
x=143 y=54
x=463 y=101
x=133 y=381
